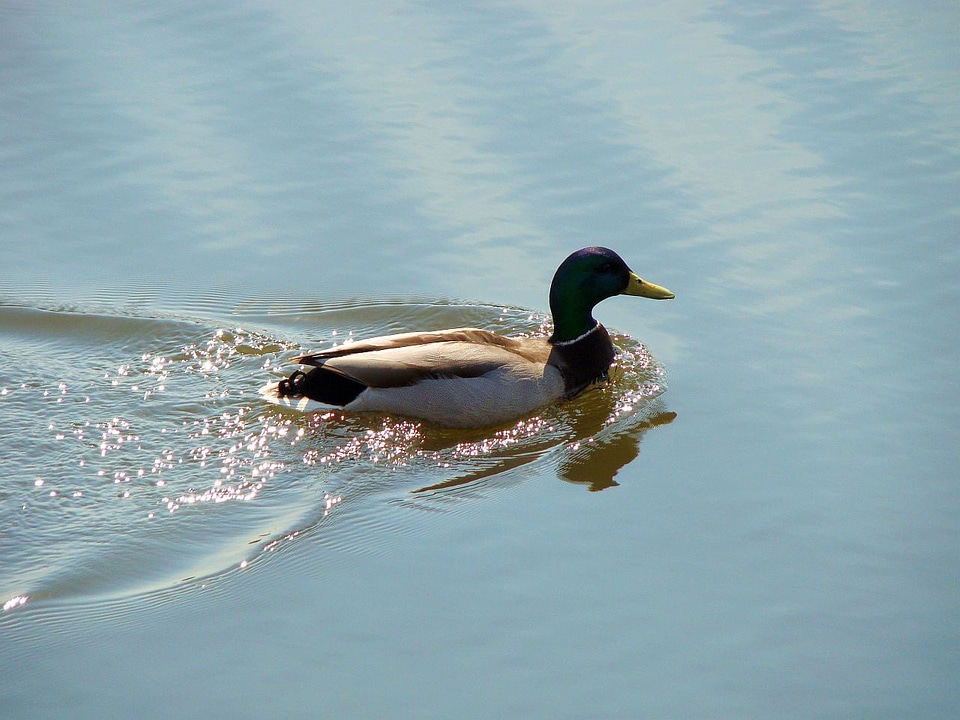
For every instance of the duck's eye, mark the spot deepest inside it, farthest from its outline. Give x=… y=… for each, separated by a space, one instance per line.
x=606 y=267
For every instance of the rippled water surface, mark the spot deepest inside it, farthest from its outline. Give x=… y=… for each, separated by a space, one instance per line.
x=756 y=518
x=137 y=473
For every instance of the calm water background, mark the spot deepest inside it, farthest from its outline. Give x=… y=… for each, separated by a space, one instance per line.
x=191 y=193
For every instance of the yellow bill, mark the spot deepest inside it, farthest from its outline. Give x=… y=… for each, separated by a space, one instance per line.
x=642 y=288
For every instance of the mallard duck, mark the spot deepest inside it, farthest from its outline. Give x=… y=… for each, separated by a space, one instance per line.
x=473 y=378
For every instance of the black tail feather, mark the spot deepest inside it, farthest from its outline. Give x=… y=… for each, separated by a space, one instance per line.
x=322 y=385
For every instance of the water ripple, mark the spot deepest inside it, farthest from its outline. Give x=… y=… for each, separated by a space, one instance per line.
x=146 y=461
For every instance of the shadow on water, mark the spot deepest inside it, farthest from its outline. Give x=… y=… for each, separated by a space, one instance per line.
x=147 y=464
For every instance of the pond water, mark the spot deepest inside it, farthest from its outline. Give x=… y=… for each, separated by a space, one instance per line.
x=757 y=517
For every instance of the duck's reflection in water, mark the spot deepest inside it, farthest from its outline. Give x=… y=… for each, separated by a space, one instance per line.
x=595 y=461
x=600 y=444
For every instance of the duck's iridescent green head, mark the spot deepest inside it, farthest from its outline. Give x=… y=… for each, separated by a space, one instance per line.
x=584 y=279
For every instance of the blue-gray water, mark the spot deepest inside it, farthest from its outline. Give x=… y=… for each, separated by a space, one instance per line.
x=758 y=518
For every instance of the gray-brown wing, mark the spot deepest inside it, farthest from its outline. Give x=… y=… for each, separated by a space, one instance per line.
x=483 y=338
x=408 y=365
